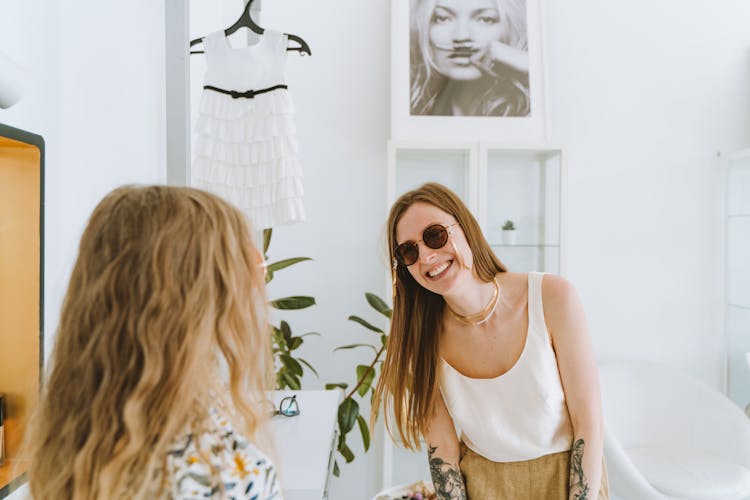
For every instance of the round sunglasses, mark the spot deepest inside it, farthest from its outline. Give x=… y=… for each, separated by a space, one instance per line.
x=434 y=236
x=288 y=407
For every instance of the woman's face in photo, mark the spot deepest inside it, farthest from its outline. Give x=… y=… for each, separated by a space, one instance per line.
x=460 y=32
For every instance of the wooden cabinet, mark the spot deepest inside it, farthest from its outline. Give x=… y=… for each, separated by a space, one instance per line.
x=21 y=284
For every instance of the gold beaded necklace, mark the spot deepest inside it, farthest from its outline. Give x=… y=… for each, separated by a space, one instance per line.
x=481 y=316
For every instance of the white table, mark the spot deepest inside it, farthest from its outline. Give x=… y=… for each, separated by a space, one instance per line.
x=305 y=443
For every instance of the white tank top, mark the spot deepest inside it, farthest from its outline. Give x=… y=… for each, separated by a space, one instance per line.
x=522 y=414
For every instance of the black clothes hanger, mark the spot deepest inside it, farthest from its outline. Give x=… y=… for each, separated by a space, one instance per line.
x=246 y=20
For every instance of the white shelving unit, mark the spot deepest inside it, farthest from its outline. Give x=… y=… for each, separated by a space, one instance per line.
x=497 y=182
x=523 y=183
x=737 y=277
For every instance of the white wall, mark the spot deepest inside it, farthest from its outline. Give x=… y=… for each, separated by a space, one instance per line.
x=97 y=97
x=641 y=96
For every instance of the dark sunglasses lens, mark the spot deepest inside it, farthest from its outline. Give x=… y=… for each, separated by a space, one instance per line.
x=407 y=253
x=435 y=236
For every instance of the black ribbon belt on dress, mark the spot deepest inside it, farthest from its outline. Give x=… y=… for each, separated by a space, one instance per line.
x=248 y=94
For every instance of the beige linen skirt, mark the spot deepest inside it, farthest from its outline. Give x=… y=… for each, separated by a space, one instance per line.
x=543 y=478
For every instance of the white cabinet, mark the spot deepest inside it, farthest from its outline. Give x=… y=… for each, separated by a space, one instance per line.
x=498 y=182
x=738 y=276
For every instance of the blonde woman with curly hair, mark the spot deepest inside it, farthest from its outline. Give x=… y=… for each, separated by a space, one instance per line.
x=161 y=357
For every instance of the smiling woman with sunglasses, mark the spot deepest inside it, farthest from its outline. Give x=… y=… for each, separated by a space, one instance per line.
x=504 y=357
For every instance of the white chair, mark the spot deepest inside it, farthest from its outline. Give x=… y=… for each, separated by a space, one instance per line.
x=669 y=436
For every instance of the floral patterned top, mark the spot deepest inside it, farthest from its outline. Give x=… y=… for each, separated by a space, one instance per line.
x=244 y=470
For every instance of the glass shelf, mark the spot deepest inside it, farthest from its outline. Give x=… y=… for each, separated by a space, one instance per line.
x=449 y=167
x=526 y=258
x=739 y=188
x=525 y=188
x=738 y=277
x=738 y=337
x=738 y=263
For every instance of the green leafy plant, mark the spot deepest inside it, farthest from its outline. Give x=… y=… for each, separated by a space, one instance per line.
x=289 y=368
x=348 y=412
x=509 y=226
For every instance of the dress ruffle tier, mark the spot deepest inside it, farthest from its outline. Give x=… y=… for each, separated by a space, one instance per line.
x=246 y=152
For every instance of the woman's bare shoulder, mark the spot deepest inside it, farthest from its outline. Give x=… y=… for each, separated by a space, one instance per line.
x=556 y=288
x=560 y=299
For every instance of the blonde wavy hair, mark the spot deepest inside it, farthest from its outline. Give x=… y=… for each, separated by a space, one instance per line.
x=408 y=382
x=164 y=317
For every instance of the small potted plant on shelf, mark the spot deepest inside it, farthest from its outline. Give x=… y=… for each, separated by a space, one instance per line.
x=509 y=233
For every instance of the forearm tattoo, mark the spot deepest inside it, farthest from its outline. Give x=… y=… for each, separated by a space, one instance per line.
x=447 y=478
x=579 y=487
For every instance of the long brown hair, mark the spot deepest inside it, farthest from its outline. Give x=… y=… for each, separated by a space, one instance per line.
x=407 y=385
x=166 y=289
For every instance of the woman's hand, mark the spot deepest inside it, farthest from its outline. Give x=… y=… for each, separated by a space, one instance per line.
x=501 y=57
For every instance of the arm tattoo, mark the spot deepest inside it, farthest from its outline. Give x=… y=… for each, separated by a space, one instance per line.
x=447 y=478
x=579 y=487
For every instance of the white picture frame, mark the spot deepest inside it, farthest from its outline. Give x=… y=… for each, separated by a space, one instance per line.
x=408 y=124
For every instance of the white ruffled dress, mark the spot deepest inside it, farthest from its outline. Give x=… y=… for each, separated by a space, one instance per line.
x=246 y=148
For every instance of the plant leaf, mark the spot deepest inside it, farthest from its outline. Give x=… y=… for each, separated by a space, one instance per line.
x=364 y=323
x=341 y=385
x=346 y=452
x=365 y=431
x=365 y=374
x=285 y=263
x=379 y=304
x=348 y=411
x=291 y=381
x=286 y=330
x=266 y=239
x=292 y=365
x=295 y=343
x=336 y=471
x=309 y=366
x=352 y=346
x=295 y=302
x=310 y=333
x=278 y=337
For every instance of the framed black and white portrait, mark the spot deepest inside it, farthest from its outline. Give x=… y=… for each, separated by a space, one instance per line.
x=467 y=70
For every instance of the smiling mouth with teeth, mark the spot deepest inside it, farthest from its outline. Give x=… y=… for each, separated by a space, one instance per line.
x=439 y=269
